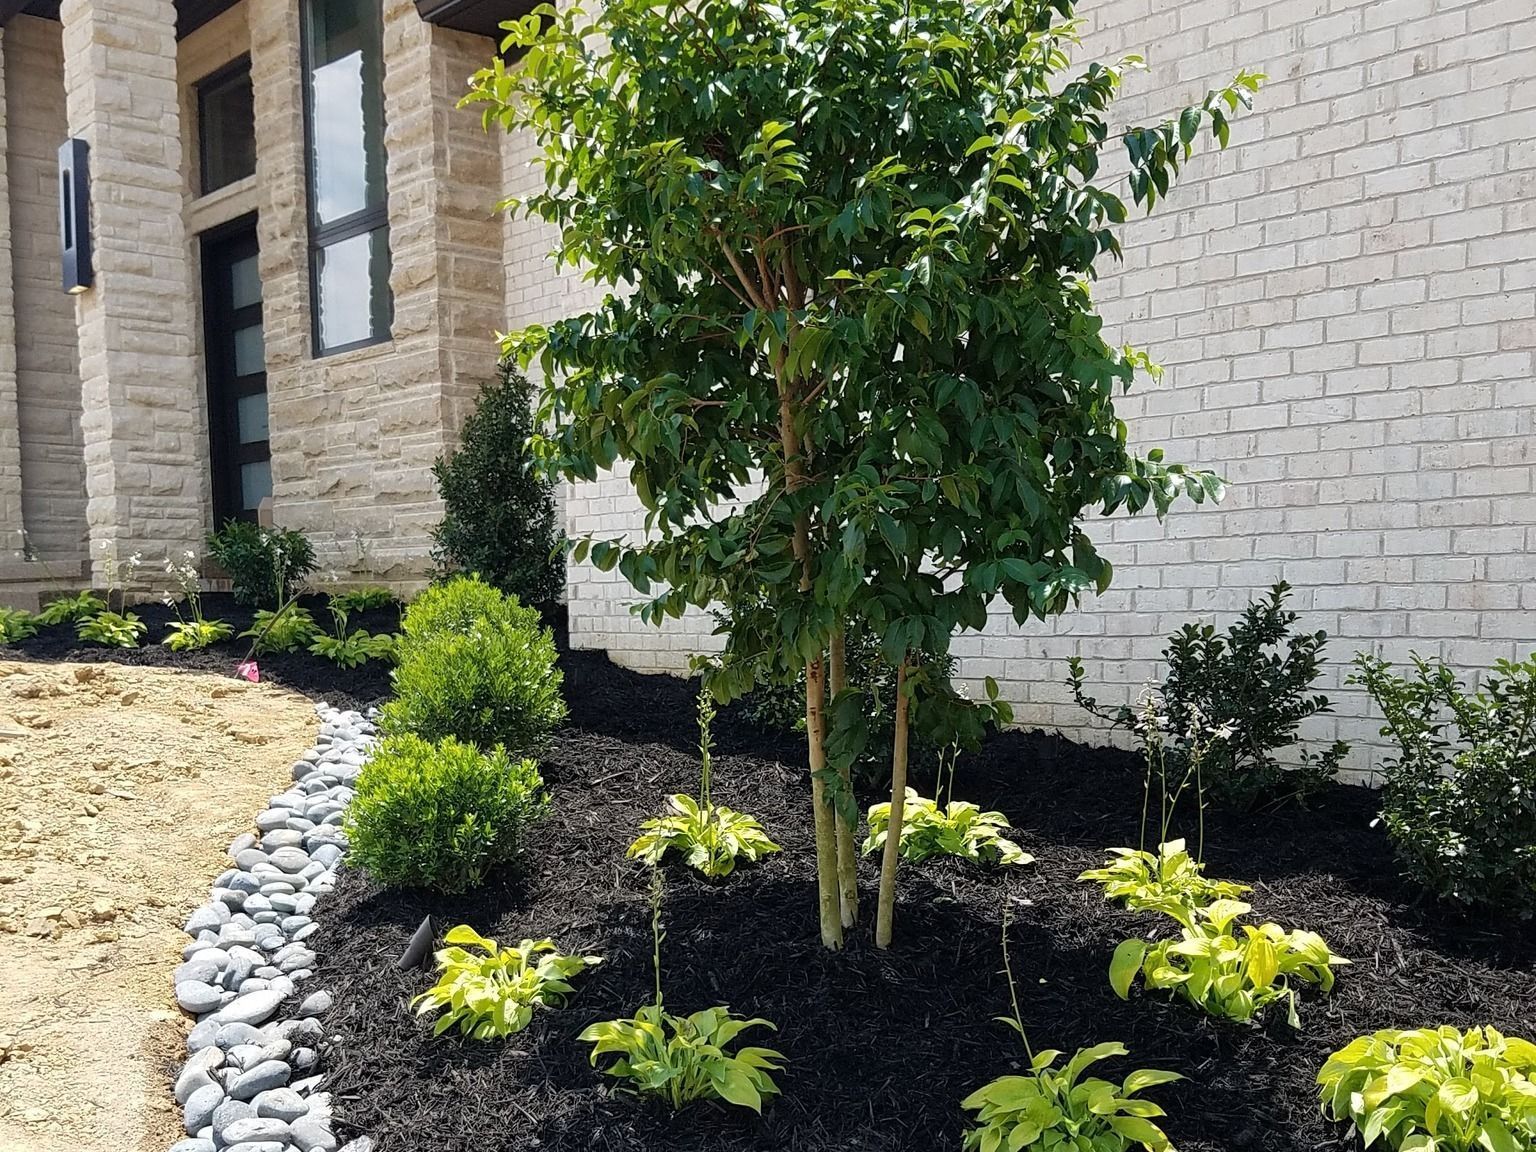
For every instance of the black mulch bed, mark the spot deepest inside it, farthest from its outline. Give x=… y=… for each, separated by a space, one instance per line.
x=881 y=1046
x=312 y=675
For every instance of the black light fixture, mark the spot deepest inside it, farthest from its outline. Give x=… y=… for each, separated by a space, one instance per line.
x=75 y=215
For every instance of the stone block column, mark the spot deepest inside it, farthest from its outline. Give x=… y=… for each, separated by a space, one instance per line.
x=11 y=538
x=142 y=411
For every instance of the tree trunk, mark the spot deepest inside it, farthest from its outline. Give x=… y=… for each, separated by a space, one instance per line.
x=847 y=847
x=886 y=913
x=827 y=901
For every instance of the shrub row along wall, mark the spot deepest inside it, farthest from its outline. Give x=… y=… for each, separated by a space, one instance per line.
x=1345 y=302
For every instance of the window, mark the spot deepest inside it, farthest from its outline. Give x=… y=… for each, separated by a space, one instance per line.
x=226 y=126
x=348 y=206
x=235 y=359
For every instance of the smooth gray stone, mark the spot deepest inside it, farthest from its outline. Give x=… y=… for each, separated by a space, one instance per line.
x=196 y=996
x=253 y=984
x=361 y=1144
x=316 y=1004
x=306 y=932
x=327 y=854
x=281 y=838
x=197 y=1113
x=204 y=1034
x=233 y=1035
x=253 y=1009
x=241 y=842
x=291 y=860
x=278 y=888
x=230 y=898
x=255 y=1128
x=275 y=1048
x=312 y=1132
x=304 y=903
x=306 y=1031
x=237 y=934
x=302 y=769
x=257 y=1146
x=196 y=1072
x=271 y=819
x=198 y=969
x=226 y=1114
x=206 y=918
x=193 y=1145
x=256 y=903
x=268 y=916
x=303 y=1059
x=281 y=1104
x=291 y=924
x=267 y=1075
x=246 y=882
x=286 y=903
x=251 y=859
x=299 y=824
x=298 y=962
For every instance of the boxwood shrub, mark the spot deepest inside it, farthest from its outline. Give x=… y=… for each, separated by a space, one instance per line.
x=476 y=665
x=441 y=814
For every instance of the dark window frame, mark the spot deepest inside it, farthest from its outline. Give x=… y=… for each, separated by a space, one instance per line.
x=217 y=80
x=368 y=220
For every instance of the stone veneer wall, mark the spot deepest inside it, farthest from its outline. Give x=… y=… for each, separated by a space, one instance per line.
x=47 y=359
x=354 y=435
x=1346 y=304
x=12 y=542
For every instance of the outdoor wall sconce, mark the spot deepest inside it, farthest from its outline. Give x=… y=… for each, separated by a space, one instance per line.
x=75 y=215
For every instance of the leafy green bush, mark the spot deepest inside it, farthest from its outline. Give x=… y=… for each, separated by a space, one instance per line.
x=1057 y=1109
x=440 y=814
x=1227 y=976
x=196 y=634
x=1144 y=880
x=16 y=625
x=1460 y=796
x=498 y=509
x=265 y=565
x=957 y=829
x=1252 y=684
x=112 y=629
x=684 y=1058
x=476 y=665
x=491 y=992
x=287 y=629
x=71 y=609
x=1435 y=1090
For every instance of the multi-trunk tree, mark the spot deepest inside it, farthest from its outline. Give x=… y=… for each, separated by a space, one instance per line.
x=847 y=348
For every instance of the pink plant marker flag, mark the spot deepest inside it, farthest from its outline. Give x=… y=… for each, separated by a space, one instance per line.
x=249 y=671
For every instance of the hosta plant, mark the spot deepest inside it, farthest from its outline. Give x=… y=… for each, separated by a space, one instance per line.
x=684 y=1058
x=112 y=629
x=1231 y=974
x=189 y=635
x=1146 y=880
x=351 y=649
x=958 y=828
x=1435 y=1090
x=489 y=992
x=710 y=836
x=287 y=629
x=16 y=625
x=363 y=599
x=1058 y=1110
x=71 y=609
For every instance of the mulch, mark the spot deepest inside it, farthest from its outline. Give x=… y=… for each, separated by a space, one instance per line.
x=881 y=1046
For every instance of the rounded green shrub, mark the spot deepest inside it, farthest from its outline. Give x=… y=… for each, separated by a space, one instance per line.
x=476 y=665
x=440 y=815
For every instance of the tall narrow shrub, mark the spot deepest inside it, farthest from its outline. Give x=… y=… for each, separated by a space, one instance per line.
x=847 y=351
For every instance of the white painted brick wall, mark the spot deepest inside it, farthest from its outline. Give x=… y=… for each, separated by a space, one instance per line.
x=1345 y=301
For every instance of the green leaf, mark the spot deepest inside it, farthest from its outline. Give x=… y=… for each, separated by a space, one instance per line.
x=1124 y=966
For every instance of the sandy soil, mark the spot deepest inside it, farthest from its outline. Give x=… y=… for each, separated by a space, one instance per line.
x=120 y=788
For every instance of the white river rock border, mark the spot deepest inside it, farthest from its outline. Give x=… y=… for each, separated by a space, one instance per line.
x=251 y=1081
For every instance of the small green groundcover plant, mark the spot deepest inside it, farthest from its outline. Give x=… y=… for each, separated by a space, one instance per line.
x=16 y=624
x=1460 y=796
x=192 y=631
x=476 y=665
x=70 y=609
x=681 y=1059
x=1435 y=1090
x=1059 y=1110
x=112 y=629
x=955 y=828
x=1151 y=881
x=1229 y=975
x=366 y=599
x=285 y=629
x=349 y=647
x=489 y=992
x=709 y=836
x=440 y=815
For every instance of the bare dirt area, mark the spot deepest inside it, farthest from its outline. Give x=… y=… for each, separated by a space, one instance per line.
x=120 y=789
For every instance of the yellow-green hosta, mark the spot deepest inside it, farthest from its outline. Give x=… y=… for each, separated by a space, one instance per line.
x=1231 y=974
x=490 y=992
x=1153 y=881
x=958 y=829
x=1435 y=1090
x=685 y=1058
x=1053 y=1109
x=711 y=837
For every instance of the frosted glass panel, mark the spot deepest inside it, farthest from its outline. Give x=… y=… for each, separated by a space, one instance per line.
x=255 y=483
x=244 y=283
x=250 y=351
x=251 y=416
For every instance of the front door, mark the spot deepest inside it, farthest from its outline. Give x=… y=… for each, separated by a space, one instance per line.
x=235 y=354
